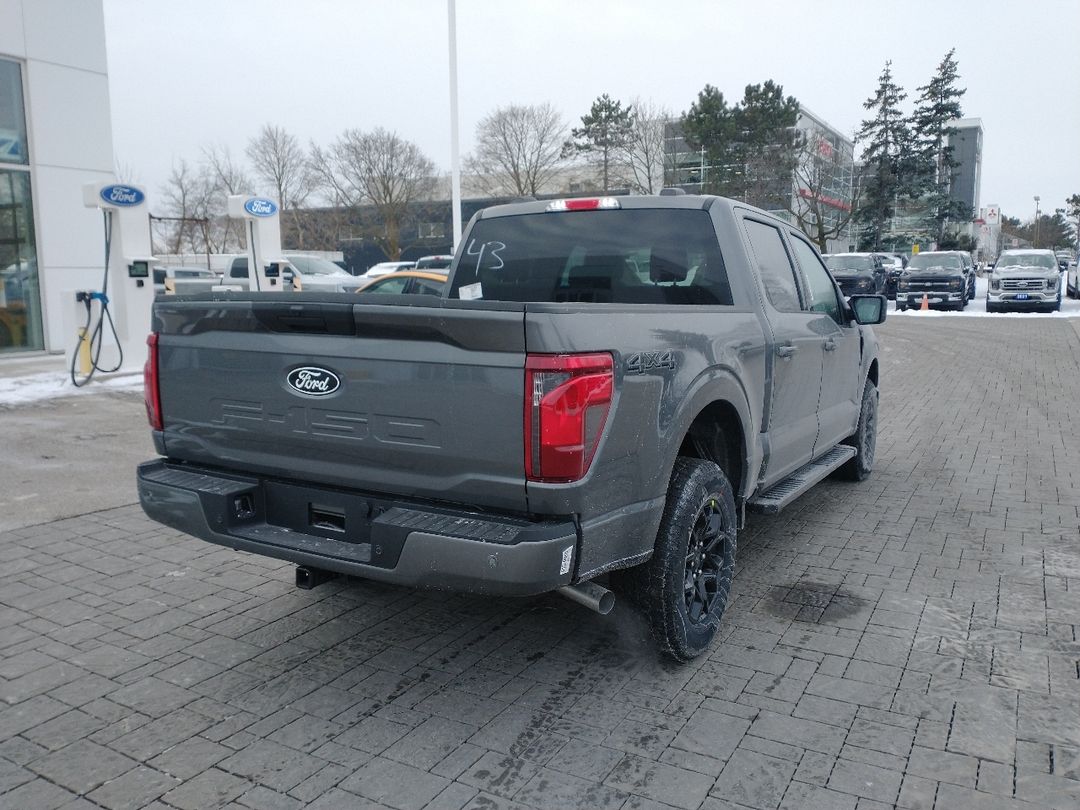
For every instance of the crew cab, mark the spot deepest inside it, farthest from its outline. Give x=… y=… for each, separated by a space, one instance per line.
x=601 y=392
x=938 y=276
x=1024 y=280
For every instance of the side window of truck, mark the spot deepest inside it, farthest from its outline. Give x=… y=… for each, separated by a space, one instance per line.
x=774 y=265
x=820 y=286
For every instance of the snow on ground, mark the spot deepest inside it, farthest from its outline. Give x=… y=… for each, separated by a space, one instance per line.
x=51 y=385
x=1070 y=308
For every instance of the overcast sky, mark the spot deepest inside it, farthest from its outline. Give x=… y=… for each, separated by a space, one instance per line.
x=187 y=74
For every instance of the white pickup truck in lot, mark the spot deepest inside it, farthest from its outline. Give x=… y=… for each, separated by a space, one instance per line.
x=1025 y=280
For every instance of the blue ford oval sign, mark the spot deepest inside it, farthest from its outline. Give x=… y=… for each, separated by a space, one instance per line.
x=260 y=207
x=122 y=195
x=313 y=381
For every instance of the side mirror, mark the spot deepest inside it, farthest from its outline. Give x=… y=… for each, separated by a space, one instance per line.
x=869 y=309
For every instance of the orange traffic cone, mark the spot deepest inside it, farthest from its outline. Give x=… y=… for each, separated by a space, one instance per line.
x=925 y=302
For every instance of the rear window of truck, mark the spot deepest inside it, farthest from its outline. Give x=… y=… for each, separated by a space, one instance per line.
x=643 y=256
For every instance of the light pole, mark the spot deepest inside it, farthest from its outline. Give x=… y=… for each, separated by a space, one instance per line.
x=455 y=160
x=1035 y=244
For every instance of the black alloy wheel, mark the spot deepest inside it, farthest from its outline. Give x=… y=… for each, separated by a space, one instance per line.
x=683 y=588
x=704 y=561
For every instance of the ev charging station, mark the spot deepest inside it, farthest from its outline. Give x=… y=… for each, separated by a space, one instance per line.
x=120 y=310
x=263 y=229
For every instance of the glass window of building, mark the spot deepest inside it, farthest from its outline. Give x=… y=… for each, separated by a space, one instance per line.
x=20 y=301
x=12 y=116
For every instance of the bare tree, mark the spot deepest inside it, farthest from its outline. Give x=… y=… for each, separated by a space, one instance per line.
x=226 y=176
x=280 y=162
x=380 y=168
x=641 y=159
x=184 y=195
x=198 y=192
x=518 y=149
x=818 y=203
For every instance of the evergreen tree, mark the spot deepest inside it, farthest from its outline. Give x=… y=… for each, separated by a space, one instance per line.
x=749 y=148
x=886 y=153
x=709 y=125
x=937 y=106
x=765 y=147
x=604 y=130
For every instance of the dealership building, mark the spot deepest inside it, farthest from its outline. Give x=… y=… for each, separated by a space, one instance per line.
x=55 y=136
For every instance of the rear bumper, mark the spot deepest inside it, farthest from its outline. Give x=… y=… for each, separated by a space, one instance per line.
x=390 y=541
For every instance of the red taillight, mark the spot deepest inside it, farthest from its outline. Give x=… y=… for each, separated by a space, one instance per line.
x=151 y=390
x=567 y=397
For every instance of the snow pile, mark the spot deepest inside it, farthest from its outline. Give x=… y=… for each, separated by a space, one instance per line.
x=52 y=385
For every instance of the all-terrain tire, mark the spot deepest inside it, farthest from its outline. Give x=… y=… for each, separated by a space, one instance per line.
x=684 y=586
x=864 y=439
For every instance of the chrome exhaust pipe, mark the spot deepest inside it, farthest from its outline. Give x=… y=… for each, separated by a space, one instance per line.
x=594 y=597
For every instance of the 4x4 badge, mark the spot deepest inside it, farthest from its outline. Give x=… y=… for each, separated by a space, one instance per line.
x=642 y=362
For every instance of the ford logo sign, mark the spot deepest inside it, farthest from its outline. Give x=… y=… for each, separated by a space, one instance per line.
x=260 y=207
x=313 y=381
x=122 y=195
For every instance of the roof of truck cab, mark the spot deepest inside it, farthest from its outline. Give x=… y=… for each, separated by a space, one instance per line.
x=626 y=202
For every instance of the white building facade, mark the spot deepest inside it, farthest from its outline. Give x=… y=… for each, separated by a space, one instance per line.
x=55 y=135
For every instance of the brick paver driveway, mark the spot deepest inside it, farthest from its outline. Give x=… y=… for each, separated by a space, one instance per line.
x=910 y=641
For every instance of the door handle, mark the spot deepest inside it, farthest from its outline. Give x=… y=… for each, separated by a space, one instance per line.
x=830 y=345
x=786 y=351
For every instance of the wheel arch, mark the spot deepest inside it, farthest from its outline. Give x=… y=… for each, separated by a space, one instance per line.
x=718 y=422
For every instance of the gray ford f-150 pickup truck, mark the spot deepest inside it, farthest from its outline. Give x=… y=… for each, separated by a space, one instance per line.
x=607 y=385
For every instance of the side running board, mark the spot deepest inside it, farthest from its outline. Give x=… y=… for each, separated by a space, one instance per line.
x=783 y=493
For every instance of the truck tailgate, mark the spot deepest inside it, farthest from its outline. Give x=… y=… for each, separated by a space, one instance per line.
x=428 y=403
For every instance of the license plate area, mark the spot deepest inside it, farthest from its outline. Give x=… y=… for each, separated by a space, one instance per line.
x=1022 y=296
x=341 y=516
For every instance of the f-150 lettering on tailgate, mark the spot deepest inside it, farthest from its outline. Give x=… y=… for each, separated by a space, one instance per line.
x=343 y=425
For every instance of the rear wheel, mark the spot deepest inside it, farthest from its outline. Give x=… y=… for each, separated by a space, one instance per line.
x=684 y=587
x=864 y=439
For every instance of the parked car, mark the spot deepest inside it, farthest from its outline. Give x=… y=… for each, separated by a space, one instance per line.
x=12 y=324
x=307 y=273
x=894 y=267
x=164 y=277
x=1025 y=280
x=382 y=268
x=969 y=271
x=939 y=276
x=858 y=273
x=434 y=262
x=387 y=441
x=18 y=281
x=1073 y=279
x=407 y=282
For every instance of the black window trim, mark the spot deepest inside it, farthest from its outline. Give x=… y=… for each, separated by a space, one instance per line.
x=781 y=228
x=803 y=279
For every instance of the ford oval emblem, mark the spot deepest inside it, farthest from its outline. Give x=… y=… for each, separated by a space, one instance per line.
x=122 y=195
x=260 y=207
x=312 y=381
